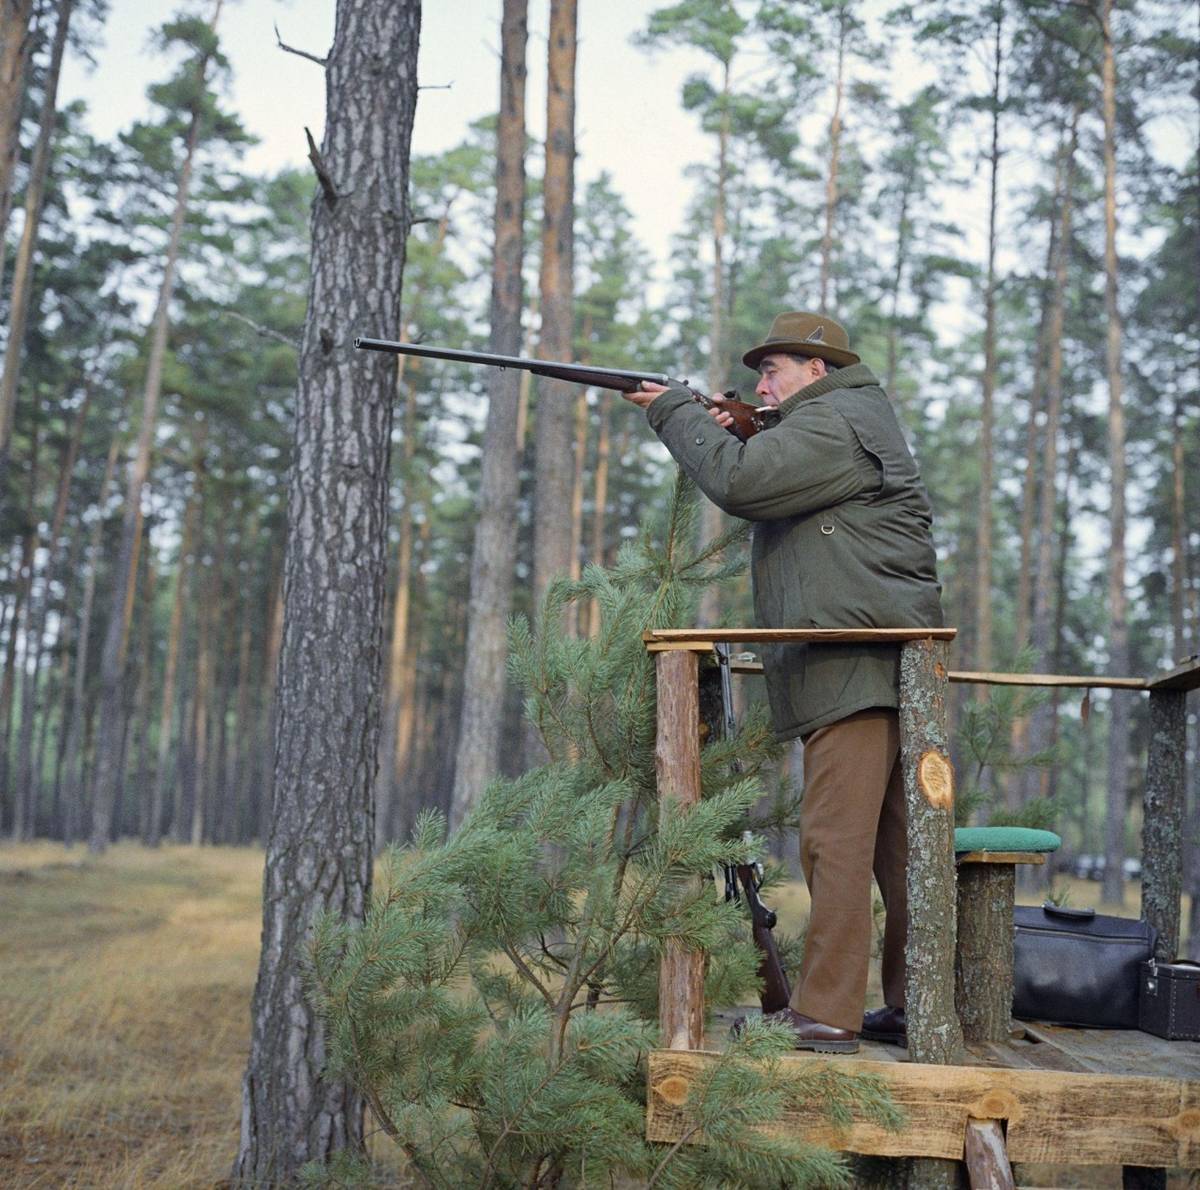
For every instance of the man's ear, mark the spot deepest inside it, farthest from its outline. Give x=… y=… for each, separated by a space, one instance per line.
x=819 y=368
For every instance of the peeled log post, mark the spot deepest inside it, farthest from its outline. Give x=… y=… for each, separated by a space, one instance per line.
x=934 y=1034
x=983 y=969
x=1163 y=812
x=677 y=767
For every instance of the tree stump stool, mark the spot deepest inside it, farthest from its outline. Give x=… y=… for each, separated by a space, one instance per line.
x=986 y=861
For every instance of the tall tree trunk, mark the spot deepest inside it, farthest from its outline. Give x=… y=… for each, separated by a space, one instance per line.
x=1179 y=545
x=902 y=237
x=554 y=460
x=116 y=638
x=166 y=711
x=320 y=850
x=16 y=47
x=27 y=774
x=242 y=824
x=202 y=694
x=495 y=545
x=401 y=654
x=141 y=700
x=35 y=190
x=1118 y=651
x=709 y=607
x=265 y=783
x=19 y=632
x=600 y=506
x=1042 y=631
x=835 y=149
x=1018 y=736
x=73 y=784
x=983 y=570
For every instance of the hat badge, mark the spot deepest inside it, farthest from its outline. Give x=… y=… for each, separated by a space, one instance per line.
x=817 y=336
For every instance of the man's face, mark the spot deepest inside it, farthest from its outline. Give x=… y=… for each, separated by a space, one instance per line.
x=781 y=376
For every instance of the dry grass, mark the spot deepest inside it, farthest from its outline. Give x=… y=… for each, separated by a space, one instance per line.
x=125 y=987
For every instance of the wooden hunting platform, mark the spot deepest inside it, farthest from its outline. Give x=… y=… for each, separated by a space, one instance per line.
x=1085 y=1096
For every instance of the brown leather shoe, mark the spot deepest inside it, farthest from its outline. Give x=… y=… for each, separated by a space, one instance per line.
x=885 y=1024
x=812 y=1035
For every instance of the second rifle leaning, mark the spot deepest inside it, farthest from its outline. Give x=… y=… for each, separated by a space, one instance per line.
x=748 y=419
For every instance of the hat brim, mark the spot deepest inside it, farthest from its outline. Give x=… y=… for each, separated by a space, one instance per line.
x=832 y=355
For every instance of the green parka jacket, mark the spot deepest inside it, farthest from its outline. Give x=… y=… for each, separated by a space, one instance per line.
x=841 y=537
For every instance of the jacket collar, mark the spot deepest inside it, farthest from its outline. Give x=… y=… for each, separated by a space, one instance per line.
x=855 y=376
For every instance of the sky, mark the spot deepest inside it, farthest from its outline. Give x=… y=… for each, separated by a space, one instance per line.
x=629 y=118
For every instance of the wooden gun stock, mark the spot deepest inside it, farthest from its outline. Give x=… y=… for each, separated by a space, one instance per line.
x=776 y=992
x=748 y=420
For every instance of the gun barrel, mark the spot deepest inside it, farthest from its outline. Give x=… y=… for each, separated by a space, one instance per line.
x=618 y=379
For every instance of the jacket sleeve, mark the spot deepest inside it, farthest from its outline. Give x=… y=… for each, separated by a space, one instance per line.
x=811 y=460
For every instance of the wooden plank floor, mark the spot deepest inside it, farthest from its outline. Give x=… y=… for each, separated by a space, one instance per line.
x=1043 y=1047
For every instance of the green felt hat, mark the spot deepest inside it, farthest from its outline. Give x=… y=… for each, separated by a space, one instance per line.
x=800 y=332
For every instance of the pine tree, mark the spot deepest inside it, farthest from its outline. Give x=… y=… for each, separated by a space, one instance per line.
x=496 y=1004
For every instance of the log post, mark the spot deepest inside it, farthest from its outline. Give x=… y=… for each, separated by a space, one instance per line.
x=1163 y=812
x=934 y=1034
x=983 y=969
x=677 y=767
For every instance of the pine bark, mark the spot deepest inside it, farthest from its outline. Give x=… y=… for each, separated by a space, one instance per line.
x=1118 y=739
x=35 y=190
x=554 y=458
x=477 y=757
x=1164 y=807
x=16 y=47
x=319 y=854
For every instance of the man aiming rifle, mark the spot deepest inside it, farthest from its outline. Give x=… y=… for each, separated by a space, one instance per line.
x=842 y=539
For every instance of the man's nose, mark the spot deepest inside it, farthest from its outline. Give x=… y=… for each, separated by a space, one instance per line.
x=761 y=389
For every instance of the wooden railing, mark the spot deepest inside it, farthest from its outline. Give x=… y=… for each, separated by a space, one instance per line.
x=933 y=1026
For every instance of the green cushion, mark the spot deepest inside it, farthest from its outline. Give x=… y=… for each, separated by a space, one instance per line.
x=1004 y=838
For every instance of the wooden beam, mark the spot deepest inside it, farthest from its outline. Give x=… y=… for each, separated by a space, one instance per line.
x=972 y=678
x=1185 y=676
x=1083 y=681
x=1163 y=804
x=796 y=635
x=1052 y=1116
x=677 y=768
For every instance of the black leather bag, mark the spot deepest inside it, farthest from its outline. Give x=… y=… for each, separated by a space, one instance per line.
x=1078 y=967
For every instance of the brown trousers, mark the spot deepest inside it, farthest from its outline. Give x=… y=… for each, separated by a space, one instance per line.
x=852 y=821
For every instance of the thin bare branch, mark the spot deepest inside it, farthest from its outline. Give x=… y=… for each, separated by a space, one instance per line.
x=299 y=53
x=266 y=331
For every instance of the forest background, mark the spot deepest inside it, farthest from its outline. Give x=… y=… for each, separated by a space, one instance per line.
x=931 y=173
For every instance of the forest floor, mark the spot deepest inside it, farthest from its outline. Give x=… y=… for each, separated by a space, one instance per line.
x=125 y=986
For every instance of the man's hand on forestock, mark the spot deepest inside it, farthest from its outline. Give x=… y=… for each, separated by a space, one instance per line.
x=642 y=396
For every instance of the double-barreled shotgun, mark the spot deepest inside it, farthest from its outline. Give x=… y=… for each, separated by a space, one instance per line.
x=748 y=420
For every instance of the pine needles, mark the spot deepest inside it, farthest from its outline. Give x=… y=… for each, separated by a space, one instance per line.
x=497 y=1003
